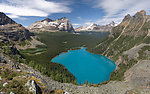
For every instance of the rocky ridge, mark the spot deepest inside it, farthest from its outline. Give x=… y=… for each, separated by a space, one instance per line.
x=95 y=27
x=128 y=45
x=62 y=24
x=9 y=29
x=134 y=25
x=12 y=32
x=5 y=19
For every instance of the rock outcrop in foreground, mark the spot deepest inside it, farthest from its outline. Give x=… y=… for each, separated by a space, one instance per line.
x=62 y=24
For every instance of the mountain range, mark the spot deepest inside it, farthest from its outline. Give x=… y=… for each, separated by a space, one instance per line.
x=62 y=24
x=95 y=27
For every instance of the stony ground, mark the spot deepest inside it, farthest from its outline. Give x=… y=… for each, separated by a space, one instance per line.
x=133 y=52
x=137 y=79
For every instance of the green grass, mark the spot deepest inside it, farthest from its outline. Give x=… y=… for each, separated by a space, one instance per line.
x=7 y=74
x=142 y=53
x=119 y=74
x=15 y=84
x=116 y=49
x=33 y=50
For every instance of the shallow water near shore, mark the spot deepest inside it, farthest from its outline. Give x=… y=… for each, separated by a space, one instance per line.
x=86 y=66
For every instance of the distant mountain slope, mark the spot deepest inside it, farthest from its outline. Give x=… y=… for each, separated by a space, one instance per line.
x=62 y=24
x=128 y=43
x=95 y=27
x=130 y=32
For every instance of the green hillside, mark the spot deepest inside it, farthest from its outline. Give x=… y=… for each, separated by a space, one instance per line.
x=132 y=37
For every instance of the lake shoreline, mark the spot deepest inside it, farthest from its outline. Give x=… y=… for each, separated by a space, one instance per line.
x=78 y=62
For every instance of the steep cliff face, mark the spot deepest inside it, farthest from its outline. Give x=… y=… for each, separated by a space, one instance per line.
x=136 y=25
x=15 y=32
x=62 y=24
x=5 y=19
x=9 y=29
x=95 y=27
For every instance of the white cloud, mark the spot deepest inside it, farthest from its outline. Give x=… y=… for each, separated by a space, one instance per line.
x=117 y=9
x=13 y=16
x=42 y=8
x=88 y=23
x=106 y=20
x=82 y=24
x=76 y=24
x=79 y=18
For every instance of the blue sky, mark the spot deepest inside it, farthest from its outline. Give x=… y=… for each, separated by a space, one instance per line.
x=79 y=12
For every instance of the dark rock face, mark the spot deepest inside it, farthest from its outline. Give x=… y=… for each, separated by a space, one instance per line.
x=9 y=29
x=62 y=24
x=2 y=59
x=127 y=17
x=15 y=32
x=47 y=19
x=65 y=25
x=5 y=19
x=14 y=51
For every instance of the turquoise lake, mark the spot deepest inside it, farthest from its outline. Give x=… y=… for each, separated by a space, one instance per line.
x=86 y=66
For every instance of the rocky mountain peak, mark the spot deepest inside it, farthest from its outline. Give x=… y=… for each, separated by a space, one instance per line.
x=5 y=19
x=127 y=17
x=63 y=18
x=143 y=12
x=96 y=27
x=112 y=24
x=135 y=25
x=47 y=19
x=94 y=24
x=140 y=14
x=62 y=24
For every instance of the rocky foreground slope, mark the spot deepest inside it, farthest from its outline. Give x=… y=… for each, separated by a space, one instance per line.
x=98 y=28
x=62 y=24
